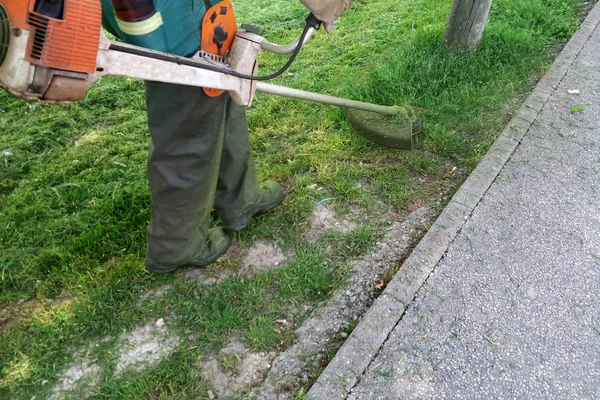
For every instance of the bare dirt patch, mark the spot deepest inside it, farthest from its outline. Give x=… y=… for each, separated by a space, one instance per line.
x=138 y=350
x=235 y=370
x=263 y=256
x=145 y=346
x=324 y=218
x=83 y=373
x=12 y=314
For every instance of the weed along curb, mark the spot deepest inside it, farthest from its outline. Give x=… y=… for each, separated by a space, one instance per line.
x=352 y=360
x=324 y=328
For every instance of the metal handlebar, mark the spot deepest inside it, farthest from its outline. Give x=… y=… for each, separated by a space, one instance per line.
x=285 y=49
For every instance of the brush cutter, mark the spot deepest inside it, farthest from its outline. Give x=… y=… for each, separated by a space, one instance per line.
x=53 y=51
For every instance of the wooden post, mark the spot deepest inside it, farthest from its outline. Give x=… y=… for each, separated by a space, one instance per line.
x=466 y=23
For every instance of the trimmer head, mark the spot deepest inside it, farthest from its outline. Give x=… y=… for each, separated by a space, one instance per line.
x=392 y=131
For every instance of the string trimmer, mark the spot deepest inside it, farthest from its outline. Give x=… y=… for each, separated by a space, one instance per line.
x=53 y=51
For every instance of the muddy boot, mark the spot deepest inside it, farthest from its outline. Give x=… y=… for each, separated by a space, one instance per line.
x=239 y=196
x=217 y=244
x=271 y=195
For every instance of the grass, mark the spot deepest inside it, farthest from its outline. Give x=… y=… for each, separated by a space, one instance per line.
x=74 y=201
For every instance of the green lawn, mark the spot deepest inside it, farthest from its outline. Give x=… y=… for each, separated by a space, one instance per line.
x=74 y=201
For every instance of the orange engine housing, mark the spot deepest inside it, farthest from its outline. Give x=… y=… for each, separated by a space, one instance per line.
x=70 y=43
x=218 y=18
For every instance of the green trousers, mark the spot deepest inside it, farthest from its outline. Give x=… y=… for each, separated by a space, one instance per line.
x=199 y=160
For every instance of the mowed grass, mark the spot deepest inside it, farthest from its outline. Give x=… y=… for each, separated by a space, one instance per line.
x=74 y=201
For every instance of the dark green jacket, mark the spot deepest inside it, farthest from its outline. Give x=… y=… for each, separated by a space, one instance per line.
x=175 y=28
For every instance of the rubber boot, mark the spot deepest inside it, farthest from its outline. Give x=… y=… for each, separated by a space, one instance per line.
x=272 y=194
x=239 y=196
x=187 y=129
x=218 y=242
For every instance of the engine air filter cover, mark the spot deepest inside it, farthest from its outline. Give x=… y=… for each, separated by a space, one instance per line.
x=4 y=33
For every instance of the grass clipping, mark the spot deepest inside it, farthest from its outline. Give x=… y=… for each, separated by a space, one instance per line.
x=388 y=130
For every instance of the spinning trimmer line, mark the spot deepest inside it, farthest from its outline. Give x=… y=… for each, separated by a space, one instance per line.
x=53 y=51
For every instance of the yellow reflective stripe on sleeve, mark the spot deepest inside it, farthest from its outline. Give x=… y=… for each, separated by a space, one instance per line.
x=142 y=27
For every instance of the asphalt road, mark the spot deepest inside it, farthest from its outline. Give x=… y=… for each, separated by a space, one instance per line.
x=513 y=309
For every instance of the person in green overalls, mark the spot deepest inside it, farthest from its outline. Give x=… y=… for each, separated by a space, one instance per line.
x=200 y=156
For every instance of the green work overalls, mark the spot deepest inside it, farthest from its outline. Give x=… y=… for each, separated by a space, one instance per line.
x=200 y=154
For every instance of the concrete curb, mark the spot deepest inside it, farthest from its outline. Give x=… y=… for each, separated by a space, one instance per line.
x=353 y=359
